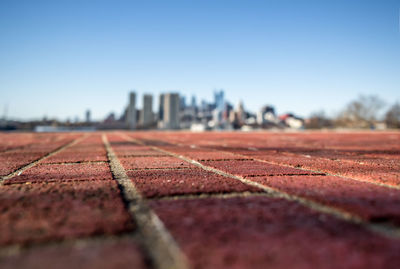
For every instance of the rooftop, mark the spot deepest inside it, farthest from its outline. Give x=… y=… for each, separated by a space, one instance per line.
x=200 y=200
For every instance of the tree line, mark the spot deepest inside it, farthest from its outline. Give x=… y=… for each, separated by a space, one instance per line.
x=363 y=112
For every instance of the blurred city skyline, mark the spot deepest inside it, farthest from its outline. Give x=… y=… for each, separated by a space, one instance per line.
x=60 y=58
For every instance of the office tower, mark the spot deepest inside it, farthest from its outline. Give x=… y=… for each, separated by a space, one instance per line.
x=193 y=103
x=161 y=108
x=219 y=100
x=147 y=112
x=182 y=102
x=131 y=113
x=171 y=111
x=88 y=116
x=241 y=113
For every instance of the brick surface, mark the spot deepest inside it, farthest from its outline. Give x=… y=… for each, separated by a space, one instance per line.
x=248 y=168
x=271 y=233
x=53 y=211
x=68 y=211
x=158 y=183
x=63 y=172
x=102 y=254
x=374 y=203
x=11 y=161
x=153 y=162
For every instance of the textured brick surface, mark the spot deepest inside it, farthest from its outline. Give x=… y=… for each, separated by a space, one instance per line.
x=271 y=233
x=252 y=168
x=158 y=183
x=374 y=203
x=72 y=196
x=63 y=172
x=102 y=254
x=153 y=162
x=49 y=211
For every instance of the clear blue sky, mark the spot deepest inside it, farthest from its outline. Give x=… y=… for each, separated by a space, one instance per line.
x=58 y=58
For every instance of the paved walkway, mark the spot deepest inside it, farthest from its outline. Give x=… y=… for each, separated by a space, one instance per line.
x=200 y=200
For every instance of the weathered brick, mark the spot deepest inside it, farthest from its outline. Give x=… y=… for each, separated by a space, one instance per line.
x=63 y=172
x=153 y=162
x=101 y=254
x=156 y=183
x=53 y=211
x=263 y=232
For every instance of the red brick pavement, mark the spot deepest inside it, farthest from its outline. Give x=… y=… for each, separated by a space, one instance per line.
x=200 y=200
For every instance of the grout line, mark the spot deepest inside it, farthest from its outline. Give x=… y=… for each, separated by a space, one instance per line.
x=49 y=181
x=139 y=156
x=373 y=182
x=226 y=195
x=72 y=163
x=223 y=160
x=165 y=168
x=285 y=175
x=386 y=230
x=156 y=239
x=32 y=164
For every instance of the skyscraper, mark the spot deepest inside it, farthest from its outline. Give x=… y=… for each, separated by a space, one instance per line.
x=171 y=111
x=161 y=107
x=147 y=113
x=88 y=116
x=131 y=113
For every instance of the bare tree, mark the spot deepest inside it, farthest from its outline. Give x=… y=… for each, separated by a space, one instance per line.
x=318 y=120
x=361 y=113
x=392 y=117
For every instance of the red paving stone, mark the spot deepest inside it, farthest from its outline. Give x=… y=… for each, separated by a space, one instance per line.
x=153 y=162
x=72 y=195
x=53 y=211
x=264 y=232
x=11 y=161
x=371 y=202
x=248 y=168
x=63 y=172
x=103 y=254
x=159 y=183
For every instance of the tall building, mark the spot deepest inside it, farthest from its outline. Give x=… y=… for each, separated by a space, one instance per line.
x=88 y=116
x=146 y=117
x=131 y=112
x=171 y=111
x=161 y=108
x=219 y=100
x=241 y=113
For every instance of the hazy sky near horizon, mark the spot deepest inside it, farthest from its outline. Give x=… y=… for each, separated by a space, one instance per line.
x=59 y=58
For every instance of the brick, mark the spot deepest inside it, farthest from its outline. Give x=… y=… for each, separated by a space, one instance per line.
x=70 y=157
x=373 y=173
x=54 y=211
x=262 y=232
x=210 y=155
x=62 y=172
x=371 y=202
x=153 y=162
x=251 y=168
x=11 y=161
x=101 y=254
x=158 y=183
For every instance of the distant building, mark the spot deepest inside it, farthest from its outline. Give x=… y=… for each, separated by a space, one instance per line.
x=241 y=114
x=146 y=116
x=131 y=112
x=292 y=121
x=161 y=108
x=171 y=111
x=88 y=119
x=266 y=115
x=193 y=102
